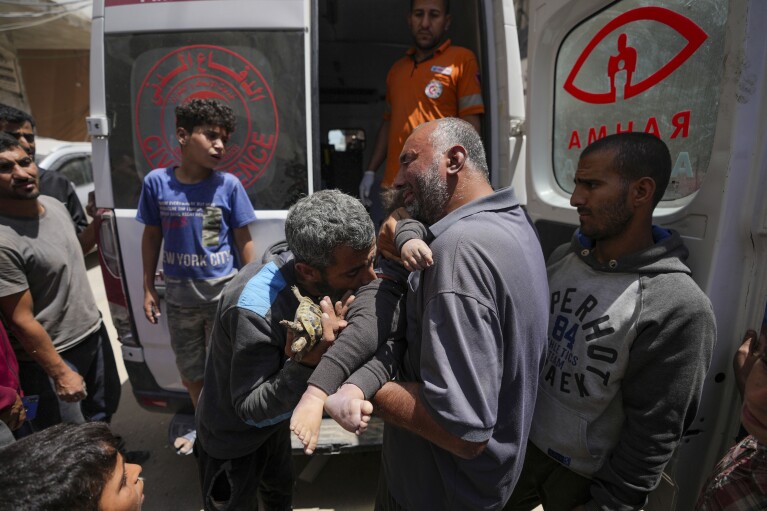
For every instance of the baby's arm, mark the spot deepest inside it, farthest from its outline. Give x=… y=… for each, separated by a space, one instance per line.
x=307 y=417
x=404 y=240
x=411 y=239
x=369 y=318
x=385 y=242
x=349 y=408
x=416 y=255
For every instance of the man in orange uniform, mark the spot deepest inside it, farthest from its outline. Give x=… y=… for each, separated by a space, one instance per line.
x=433 y=80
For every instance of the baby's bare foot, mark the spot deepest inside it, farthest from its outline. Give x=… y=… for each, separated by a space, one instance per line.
x=349 y=408
x=306 y=420
x=366 y=412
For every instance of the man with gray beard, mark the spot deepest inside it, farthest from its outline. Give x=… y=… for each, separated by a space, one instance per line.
x=459 y=416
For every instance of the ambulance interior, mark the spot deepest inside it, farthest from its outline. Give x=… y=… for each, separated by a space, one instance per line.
x=359 y=40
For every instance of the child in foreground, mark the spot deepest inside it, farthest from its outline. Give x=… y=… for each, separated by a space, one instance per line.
x=69 y=467
x=375 y=330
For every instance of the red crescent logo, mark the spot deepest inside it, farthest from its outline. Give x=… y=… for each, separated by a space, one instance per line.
x=694 y=35
x=208 y=72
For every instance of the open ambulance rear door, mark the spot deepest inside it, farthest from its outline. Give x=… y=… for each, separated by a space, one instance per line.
x=148 y=57
x=694 y=74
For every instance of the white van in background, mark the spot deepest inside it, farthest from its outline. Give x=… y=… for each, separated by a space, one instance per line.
x=303 y=75
x=72 y=159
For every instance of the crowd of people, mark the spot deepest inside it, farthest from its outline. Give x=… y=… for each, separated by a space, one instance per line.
x=505 y=381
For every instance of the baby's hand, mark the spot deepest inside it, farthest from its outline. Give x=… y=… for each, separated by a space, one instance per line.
x=386 y=245
x=416 y=255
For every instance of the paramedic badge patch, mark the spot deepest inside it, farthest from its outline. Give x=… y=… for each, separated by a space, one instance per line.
x=433 y=89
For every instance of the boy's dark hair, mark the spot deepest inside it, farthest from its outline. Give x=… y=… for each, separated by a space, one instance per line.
x=202 y=112
x=637 y=155
x=8 y=141
x=13 y=115
x=445 y=3
x=64 y=467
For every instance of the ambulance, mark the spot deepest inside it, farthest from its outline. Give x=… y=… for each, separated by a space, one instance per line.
x=306 y=79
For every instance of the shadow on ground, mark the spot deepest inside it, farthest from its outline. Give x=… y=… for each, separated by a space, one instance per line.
x=345 y=482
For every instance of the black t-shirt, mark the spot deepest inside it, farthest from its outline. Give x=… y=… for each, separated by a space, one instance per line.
x=59 y=187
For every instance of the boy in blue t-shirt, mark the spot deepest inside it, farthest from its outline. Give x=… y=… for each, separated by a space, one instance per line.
x=202 y=218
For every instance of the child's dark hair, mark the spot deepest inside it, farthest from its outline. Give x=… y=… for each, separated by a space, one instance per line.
x=64 y=467
x=202 y=112
x=391 y=199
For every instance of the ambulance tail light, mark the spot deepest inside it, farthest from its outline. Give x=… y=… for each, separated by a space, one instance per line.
x=111 y=271
x=151 y=403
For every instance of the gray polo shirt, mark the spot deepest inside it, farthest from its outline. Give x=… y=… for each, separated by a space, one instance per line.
x=477 y=329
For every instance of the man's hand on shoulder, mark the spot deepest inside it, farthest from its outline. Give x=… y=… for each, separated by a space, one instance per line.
x=332 y=323
x=341 y=307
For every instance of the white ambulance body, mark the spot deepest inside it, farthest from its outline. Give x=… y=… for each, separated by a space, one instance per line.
x=306 y=79
x=695 y=74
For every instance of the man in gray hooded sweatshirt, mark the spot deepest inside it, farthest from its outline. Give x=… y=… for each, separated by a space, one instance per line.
x=630 y=340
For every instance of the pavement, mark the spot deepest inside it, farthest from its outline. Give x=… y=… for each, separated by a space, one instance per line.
x=343 y=482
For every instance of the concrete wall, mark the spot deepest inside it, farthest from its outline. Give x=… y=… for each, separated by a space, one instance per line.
x=57 y=83
x=12 y=91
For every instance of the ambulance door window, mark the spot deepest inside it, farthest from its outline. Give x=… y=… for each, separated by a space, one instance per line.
x=260 y=75
x=342 y=159
x=634 y=67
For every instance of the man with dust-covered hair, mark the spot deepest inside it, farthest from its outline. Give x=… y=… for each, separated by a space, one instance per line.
x=318 y=224
x=251 y=387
